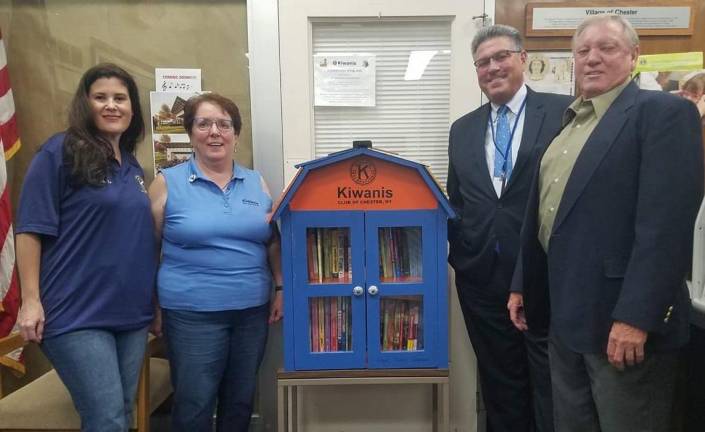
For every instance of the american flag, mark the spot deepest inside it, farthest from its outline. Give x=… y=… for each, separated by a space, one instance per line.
x=9 y=288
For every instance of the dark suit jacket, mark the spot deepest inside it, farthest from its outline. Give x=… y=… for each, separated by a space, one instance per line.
x=484 y=219
x=621 y=245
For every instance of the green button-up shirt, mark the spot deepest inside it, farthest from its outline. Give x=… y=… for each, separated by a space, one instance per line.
x=579 y=120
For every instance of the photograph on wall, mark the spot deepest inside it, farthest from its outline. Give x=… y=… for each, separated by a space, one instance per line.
x=550 y=71
x=344 y=80
x=169 y=152
x=170 y=143
x=167 y=110
x=678 y=73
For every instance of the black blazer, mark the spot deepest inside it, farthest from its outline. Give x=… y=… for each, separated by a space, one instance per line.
x=485 y=219
x=621 y=245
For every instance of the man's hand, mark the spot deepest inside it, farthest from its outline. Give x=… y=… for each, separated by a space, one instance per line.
x=625 y=345
x=516 y=311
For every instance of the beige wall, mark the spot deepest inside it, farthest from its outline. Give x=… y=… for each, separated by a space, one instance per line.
x=50 y=43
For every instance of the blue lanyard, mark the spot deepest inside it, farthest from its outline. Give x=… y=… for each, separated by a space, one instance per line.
x=511 y=137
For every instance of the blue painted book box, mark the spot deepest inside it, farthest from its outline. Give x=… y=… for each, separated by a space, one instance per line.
x=364 y=259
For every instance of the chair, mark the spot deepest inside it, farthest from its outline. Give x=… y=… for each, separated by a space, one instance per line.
x=45 y=405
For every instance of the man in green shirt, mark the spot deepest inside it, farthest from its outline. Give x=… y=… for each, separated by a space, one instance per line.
x=607 y=240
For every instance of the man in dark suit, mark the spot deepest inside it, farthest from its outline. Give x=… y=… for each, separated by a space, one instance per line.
x=493 y=152
x=607 y=240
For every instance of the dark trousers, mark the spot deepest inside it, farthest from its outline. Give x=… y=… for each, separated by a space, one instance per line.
x=513 y=366
x=591 y=395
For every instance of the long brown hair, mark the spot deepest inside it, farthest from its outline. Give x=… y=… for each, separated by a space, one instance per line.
x=86 y=152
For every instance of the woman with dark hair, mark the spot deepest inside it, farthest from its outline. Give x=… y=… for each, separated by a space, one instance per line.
x=86 y=252
x=220 y=255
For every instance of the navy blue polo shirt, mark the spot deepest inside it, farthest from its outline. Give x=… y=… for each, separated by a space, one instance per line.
x=98 y=262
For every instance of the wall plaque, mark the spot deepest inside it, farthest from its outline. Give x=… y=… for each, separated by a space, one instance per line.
x=648 y=18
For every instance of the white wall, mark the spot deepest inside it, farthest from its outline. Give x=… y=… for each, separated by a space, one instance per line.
x=281 y=94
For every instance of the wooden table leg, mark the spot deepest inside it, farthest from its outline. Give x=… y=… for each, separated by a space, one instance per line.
x=290 y=409
x=445 y=388
x=436 y=414
x=298 y=390
x=281 y=417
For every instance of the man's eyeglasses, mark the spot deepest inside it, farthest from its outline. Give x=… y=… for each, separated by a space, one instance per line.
x=498 y=57
x=205 y=124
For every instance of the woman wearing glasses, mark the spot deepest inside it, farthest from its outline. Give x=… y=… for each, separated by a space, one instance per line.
x=85 y=251
x=220 y=256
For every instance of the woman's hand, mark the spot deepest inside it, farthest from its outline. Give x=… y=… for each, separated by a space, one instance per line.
x=156 y=327
x=31 y=320
x=276 y=309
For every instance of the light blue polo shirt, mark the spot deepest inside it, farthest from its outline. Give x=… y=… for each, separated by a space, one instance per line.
x=214 y=241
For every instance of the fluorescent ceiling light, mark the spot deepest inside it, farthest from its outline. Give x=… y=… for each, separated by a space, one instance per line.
x=418 y=60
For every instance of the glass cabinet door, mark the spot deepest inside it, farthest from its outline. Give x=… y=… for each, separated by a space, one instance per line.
x=401 y=323
x=329 y=311
x=401 y=294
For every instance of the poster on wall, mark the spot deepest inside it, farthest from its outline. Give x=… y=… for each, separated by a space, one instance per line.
x=170 y=142
x=550 y=71
x=678 y=73
x=344 y=80
x=173 y=80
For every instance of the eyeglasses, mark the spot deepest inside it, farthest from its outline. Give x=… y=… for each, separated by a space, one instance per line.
x=205 y=124
x=498 y=57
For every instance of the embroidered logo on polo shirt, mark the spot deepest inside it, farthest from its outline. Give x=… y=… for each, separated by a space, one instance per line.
x=140 y=182
x=250 y=202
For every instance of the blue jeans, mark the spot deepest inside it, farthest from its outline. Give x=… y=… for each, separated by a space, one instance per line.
x=214 y=355
x=100 y=369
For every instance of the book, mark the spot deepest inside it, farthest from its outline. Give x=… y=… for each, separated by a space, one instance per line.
x=413 y=327
x=319 y=253
x=311 y=260
x=313 y=322
x=348 y=257
x=383 y=323
x=404 y=324
x=340 y=255
x=326 y=322
x=390 y=325
x=396 y=342
x=334 y=323
x=332 y=249
x=340 y=344
x=346 y=328
x=321 y=325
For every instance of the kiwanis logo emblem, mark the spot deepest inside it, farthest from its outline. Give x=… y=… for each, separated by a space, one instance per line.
x=363 y=171
x=140 y=183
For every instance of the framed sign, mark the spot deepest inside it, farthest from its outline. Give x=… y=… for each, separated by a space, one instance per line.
x=648 y=18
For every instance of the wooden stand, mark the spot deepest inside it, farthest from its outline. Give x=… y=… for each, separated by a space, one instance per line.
x=290 y=406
